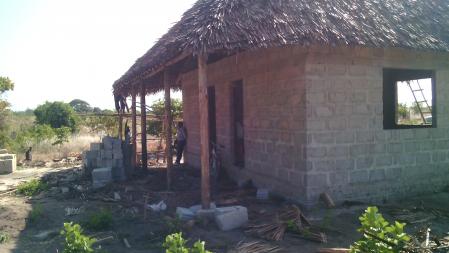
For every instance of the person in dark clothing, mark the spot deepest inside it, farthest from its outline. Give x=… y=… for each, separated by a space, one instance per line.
x=120 y=104
x=28 y=155
x=181 y=140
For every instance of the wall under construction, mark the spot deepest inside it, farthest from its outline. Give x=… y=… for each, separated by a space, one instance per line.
x=314 y=122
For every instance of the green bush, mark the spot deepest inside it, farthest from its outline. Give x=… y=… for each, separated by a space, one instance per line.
x=75 y=240
x=378 y=235
x=4 y=237
x=32 y=187
x=174 y=243
x=101 y=220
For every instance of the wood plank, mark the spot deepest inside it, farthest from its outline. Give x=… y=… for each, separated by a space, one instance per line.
x=143 y=129
x=204 y=130
x=134 y=128
x=120 y=126
x=168 y=127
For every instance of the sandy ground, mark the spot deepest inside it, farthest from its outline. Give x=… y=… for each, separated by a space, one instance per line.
x=42 y=234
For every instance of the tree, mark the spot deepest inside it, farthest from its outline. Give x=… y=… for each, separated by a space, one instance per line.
x=158 y=109
x=402 y=111
x=5 y=85
x=80 y=106
x=57 y=115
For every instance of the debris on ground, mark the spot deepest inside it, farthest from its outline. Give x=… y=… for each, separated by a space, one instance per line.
x=161 y=206
x=291 y=219
x=328 y=201
x=256 y=247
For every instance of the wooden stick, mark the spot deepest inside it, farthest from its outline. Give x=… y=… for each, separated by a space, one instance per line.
x=327 y=200
x=143 y=128
x=332 y=250
x=168 y=127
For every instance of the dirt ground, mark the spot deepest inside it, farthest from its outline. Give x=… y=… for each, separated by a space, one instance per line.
x=41 y=234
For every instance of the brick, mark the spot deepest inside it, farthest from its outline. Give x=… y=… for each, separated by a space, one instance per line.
x=364 y=163
x=317 y=180
x=344 y=164
x=316 y=152
x=376 y=175
x=393 y=173
x=358 y=177
x=385 y=160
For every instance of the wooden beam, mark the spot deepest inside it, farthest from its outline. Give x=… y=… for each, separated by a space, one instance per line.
x=168 y=126
x=120 y=126
x=134 y=128
x=204 y=130
x=143 y=127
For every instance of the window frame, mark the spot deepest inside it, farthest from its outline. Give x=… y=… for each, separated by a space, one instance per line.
x=390 y=77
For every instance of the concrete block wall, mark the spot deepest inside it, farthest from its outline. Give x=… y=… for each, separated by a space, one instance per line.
x=274 y=116
x=314 y=122
x=349 y=154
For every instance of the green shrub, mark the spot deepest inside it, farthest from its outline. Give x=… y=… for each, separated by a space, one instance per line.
x=75 y=240
x=32 y=187
x=101 y=220
x=174 y=243
x=378 y=235
x=36 y=213
x=4 y=237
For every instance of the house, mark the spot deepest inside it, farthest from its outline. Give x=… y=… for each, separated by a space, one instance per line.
x=303 y=94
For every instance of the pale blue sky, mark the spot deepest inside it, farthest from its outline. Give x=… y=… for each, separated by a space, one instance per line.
x=58 y=50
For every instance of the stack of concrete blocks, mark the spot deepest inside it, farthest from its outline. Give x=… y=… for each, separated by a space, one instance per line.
x=8 y=162
x=107 y=155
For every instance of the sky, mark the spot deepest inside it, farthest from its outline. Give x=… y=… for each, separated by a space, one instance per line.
x=59 y=50
x=405 y=95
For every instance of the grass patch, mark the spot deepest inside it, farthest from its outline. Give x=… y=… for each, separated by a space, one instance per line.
x=36 y=213
x=101 y=220
x=4 y=237
x=32 y=188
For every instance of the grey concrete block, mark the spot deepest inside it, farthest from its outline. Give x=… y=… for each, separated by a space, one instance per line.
x=118 y=173
x=96 y=146
x=117 y=144
x=101 y=177
x=107 y=142
x=117 y=154
x=229 y=218
x=185 y=213
x=106 y=154
x=7 y=166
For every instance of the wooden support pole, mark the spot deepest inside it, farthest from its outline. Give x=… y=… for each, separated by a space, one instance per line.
x=168 y=127
x=134 y=128
x=204 y=130
x=120 y=126
x=143 y=127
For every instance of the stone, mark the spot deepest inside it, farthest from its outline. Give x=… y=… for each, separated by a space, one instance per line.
x=229 y=218
x=185 y=213
x=65 y=190
x=195 y=208
x=262 y=194
x=101 y=177
x=45 y=235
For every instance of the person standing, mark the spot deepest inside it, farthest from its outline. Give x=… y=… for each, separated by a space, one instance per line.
x=181 y=140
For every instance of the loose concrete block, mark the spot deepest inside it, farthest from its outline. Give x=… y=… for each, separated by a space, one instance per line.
x=228 y=218
x=117 y=154
x=7 y=166
x=106 y=154
x=117 y=144
x=96 y=146
x=107 y=142
x=101 y=177
x=185 y=213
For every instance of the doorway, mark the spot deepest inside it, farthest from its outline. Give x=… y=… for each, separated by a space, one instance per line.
x=237 y=123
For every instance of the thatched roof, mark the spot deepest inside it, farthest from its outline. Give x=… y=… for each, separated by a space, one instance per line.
x=236 y=25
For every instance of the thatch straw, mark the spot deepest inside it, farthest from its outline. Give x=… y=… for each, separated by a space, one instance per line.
x=236 y=25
